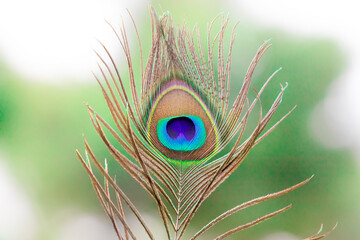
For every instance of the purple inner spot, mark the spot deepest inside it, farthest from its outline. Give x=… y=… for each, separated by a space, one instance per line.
x=181 y=125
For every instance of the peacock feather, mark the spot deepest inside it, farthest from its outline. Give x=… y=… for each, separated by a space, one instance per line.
x=174 y=127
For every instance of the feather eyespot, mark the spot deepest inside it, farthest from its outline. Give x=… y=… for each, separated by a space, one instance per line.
x=180 y=124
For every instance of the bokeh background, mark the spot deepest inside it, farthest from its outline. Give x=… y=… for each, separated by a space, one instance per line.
x=46 y=60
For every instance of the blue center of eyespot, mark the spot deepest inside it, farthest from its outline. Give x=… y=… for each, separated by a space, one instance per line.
x=181 y=126
x=181 y=133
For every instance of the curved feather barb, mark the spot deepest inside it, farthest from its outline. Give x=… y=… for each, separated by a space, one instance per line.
x=173 y=132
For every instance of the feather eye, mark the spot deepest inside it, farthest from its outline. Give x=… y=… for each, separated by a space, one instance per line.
x=171 y=133
x=180 y=125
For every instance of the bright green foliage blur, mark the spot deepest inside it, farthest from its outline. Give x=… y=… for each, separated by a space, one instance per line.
x=42 y=125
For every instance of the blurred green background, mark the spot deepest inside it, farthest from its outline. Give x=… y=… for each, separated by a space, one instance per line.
x=41 y=125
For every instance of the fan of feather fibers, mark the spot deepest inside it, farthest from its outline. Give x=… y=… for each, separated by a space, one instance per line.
x=174 y=128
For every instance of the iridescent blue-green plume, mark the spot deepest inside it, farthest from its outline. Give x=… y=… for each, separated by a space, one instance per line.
x=173 y=124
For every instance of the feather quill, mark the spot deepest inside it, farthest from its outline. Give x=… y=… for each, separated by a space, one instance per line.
x=176 y=129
